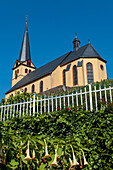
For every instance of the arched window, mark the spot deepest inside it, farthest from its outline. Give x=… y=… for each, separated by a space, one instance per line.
x=33 y=88
x=89 y=72
x=75 y=78
x=26 y=70
x=25 y=90
x=64 y=77
x=16 y=76
x=29 y=71
x=41 y=86
x=102 y=67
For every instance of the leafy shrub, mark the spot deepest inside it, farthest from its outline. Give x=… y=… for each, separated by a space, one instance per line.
x=87 y=131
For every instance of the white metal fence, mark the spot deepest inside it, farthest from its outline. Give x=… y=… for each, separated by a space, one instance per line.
x=90 y=97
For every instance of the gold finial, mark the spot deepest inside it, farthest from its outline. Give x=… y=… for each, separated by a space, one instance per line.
x=26 y=18
x=89 y=41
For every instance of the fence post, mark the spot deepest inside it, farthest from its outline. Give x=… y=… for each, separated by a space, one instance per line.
x=34 y=104
x=90 y=94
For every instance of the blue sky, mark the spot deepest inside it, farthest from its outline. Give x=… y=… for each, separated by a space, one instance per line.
x=52 y=25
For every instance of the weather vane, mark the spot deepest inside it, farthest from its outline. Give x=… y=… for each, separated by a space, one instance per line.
x=89 y=41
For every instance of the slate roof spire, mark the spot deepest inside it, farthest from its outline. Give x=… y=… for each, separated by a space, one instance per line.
x=25 y=48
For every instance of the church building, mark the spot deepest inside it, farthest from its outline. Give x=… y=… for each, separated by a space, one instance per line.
x=79 y=67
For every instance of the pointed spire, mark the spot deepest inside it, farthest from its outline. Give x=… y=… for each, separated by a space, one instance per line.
x=25 y=49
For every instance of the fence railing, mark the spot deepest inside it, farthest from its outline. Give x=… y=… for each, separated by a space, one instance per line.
x=89 y=97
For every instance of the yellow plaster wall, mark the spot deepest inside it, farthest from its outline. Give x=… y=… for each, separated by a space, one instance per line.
x=98 y=74
x=21 y=73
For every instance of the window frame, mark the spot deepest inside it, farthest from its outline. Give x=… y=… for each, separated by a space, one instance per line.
x=41 y=86
x=33 y=88
x=64 y=77
x=74 y=76
x=91 y=73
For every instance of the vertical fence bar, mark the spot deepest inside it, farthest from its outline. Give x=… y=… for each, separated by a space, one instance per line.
x=100 y=95
x=34 y=104
x=76 y=98
x=13 y=110
x=41 y=104
x=56 y=102
x=30 y=105
x=60 y=103
x=90 y=94
x=72 y=100
x=1 y=112
x=81 y=97
x=37 y=104
x=68 y=101
x=52 y=102
x=20 y=108
x=110 y=94
x=7 y=111
x=96 y=99
x=17 y=110
x=23 y=107
x=105 y=95
x=44 y=105
x=10 y=110
x=27 y=107
x=48 y=105
x=64 y=102
x=86 y=99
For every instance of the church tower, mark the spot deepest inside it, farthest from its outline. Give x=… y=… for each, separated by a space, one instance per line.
x=23 y=66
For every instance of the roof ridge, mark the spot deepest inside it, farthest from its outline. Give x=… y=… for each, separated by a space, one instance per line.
x=65 y=57
x=95 y=50
x=85 y=48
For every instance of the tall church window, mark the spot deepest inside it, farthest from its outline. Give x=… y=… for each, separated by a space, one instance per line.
x=33 y=88
x=41 y=86
x=75 y=78
x=64 y=77
x=89 y=72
